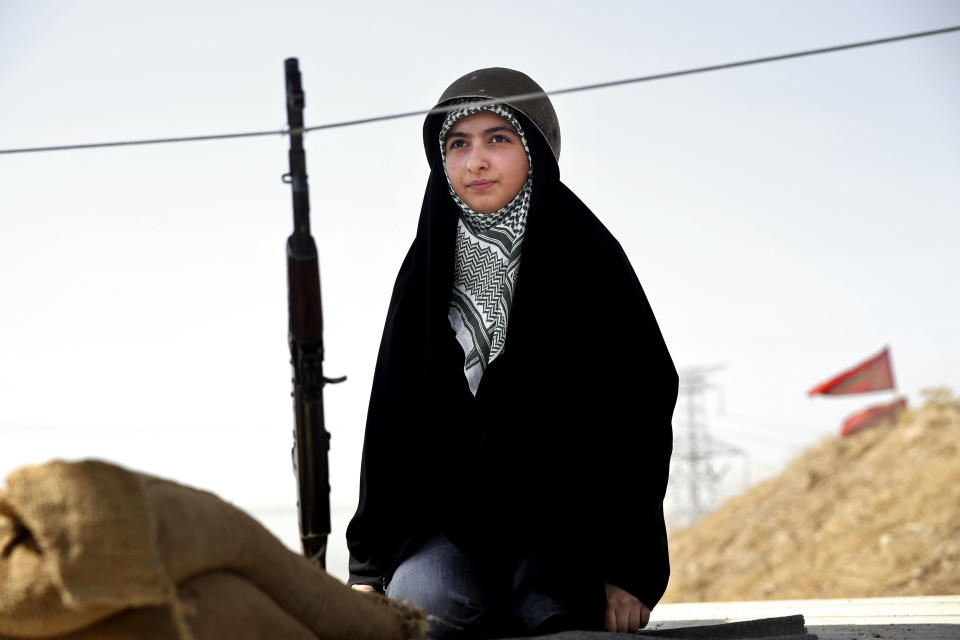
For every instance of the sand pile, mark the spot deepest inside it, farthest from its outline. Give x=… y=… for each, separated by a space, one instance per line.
x=876 y=514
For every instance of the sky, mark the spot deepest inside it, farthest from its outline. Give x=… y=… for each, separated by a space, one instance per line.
x=787 y=220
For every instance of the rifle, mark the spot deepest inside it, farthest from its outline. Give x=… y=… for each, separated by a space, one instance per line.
x=311 y=439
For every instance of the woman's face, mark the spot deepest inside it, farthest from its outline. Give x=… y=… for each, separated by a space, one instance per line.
x=485 y=161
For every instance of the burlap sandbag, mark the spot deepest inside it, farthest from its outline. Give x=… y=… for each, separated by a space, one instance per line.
x=83 y=542
x=220 y=604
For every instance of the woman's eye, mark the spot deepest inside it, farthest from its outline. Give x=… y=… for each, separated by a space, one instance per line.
x=499 y=138
x=455 y=143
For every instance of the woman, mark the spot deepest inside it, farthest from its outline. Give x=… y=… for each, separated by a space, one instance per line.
x=518 y=435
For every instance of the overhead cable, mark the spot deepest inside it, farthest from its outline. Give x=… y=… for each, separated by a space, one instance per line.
x=514 y=98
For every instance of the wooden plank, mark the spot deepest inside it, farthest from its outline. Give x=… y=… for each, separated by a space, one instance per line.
x=921 y=617
x=886 y=632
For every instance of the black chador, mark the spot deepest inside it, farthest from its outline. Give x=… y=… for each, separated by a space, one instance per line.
x=559 y=449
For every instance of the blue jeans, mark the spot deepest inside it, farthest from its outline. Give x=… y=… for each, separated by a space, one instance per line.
x=473 y=603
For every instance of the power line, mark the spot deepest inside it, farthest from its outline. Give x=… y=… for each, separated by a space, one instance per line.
x=514 y=98
x=130 y=143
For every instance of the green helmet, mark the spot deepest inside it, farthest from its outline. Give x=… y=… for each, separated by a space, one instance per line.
x=498 y=82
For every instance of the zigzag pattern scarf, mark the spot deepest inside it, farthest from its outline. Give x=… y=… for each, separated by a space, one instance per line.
x=488 y=248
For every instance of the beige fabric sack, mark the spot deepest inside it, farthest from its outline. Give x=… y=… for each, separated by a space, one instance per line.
x=91 y=550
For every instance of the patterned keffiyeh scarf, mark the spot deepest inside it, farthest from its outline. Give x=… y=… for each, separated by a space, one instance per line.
x=488 y=248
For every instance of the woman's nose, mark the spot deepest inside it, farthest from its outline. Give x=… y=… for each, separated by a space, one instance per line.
x=477 y=160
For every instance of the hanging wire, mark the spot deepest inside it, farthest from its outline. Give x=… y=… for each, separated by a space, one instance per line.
x=514 y=98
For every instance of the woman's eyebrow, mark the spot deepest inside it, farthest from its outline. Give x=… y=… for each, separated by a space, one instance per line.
x=501 y=127
x=486 y=132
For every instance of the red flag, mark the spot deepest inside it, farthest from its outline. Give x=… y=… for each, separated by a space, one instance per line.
x=873 y=416
x=874 y=374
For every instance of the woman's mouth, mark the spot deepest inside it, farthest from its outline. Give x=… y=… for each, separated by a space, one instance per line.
x=481 y=185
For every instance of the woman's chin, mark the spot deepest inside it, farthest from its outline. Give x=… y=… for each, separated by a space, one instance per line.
x=485 y=207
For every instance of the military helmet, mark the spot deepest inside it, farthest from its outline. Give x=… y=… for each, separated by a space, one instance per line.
x=498 y=82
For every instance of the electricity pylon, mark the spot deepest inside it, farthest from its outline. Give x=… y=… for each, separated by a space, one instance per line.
x=695 y=473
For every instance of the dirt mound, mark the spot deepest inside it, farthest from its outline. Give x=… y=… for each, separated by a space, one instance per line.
x=876 y=514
